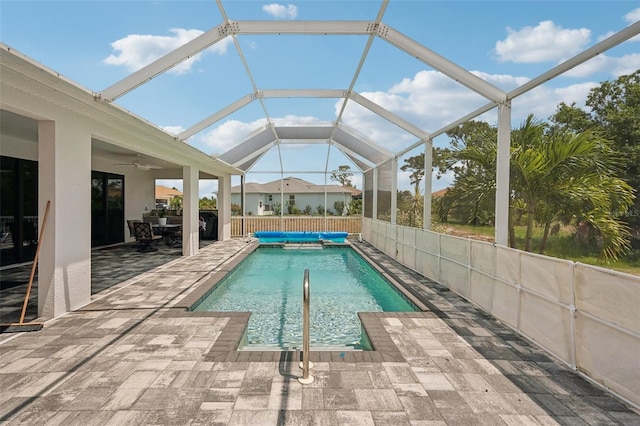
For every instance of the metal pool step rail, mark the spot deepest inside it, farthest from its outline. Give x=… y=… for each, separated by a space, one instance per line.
x=306 y=378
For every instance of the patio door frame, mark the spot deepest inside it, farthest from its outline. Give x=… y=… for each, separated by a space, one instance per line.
x=19 y=210
x=107 y=212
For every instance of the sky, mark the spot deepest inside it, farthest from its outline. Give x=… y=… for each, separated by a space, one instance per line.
x=507 y=43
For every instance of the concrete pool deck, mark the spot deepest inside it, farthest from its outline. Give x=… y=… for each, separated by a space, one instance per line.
x=135 y=356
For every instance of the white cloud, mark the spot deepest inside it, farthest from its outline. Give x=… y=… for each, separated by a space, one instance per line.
x=231 y=132
x=542 y=43
x=429 y=100
x=543 y=100
x=174 y=130
x=632 y=16
x=616 y=67
x=137 y=50
x=280 y=11
x=606 y=35
x=626 y=64
x=227 y=135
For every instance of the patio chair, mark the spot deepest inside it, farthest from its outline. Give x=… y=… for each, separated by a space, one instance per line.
x=176 y=238
x=143 y=232
x=130 y=224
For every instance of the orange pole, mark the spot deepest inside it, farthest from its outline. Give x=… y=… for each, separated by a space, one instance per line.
x=35 y=262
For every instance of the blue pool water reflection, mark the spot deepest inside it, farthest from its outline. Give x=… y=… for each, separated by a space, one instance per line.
x=269 y=285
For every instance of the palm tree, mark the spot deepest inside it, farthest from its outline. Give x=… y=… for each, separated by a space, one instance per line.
x=565 y=173
x=552 y=176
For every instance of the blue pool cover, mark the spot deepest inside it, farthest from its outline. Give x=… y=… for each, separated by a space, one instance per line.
x=299 y=236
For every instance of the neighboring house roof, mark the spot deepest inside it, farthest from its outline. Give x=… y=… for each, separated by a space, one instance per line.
x=166 y=192
x=439 y=193
x=293 y=185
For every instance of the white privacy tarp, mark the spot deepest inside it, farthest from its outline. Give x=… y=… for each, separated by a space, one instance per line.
x=428 y=241
x=547 y=323
x=609 y=356
x=538 y=296
x=455 y=248
x=508 y=264
x=495 y=297
x=409 y=256
x=484 y=257
x=547 y=276
x=366 y=229
x=610 y=296
x=455 y=276
x=428 y=265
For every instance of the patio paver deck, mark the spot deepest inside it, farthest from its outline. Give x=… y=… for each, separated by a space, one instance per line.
x=134 y=356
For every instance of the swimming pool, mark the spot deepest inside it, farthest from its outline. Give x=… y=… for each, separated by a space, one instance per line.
x=268 y=283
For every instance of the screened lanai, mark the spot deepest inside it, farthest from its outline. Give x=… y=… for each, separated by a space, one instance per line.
x=266 y=149
x=292 y=95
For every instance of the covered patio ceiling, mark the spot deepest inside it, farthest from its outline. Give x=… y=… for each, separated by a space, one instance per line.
x=361 y=151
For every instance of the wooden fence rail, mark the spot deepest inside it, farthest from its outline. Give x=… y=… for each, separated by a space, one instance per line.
x=252 y=224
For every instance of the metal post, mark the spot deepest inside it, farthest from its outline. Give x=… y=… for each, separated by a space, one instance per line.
x=306 y=377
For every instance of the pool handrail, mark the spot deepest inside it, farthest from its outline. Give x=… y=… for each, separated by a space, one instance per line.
x=306 y=377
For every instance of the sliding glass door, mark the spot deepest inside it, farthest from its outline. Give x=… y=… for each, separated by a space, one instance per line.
x=107 y=209
x=18 y=210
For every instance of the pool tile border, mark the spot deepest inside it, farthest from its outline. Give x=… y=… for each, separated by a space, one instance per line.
x=224 y=349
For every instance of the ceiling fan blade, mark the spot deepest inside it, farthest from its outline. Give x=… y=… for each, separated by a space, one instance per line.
x=143 y=166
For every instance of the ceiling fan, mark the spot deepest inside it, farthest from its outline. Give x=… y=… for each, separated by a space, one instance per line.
x=140 y=165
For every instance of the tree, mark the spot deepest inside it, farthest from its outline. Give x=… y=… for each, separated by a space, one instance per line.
x=570 y=118
x=612 y=109
x=176 y=202
x=415 y=165
x=343 y=175
x=206 y=203
x=355 y=206
x=473 y=162
x=552 y=175
x=615 y=108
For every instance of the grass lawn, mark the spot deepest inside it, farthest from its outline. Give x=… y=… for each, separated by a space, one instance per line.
x=561 y=245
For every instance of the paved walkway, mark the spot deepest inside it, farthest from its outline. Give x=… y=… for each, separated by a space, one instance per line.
x=134 y=356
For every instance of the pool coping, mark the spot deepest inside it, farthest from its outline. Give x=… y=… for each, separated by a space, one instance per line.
x=225 y=347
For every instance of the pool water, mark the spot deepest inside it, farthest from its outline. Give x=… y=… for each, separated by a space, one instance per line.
x=269 y=285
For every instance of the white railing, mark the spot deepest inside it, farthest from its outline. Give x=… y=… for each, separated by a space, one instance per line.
x=586 y=316
x=252 y=224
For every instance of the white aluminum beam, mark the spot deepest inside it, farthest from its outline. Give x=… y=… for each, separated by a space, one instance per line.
x=303 y=27
x=164 y=63
x=240 y=103
x=387 y=115
x=304 y=141
x=394 y=198
x=428 y=185
x=502 y=175
x=606 y=44
x=441 y=64
x=304 y=93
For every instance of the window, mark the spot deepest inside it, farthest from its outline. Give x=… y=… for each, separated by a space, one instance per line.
x=292 y=200
x=270 y=197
